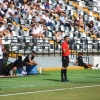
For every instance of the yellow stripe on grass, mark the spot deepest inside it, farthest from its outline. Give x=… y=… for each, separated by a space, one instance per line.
x=59 y=68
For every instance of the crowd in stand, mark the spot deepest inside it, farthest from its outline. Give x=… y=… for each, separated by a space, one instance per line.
x=40 y=15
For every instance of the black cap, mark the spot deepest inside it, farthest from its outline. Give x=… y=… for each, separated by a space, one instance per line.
x=10 y=25
x=66 y=36
x=80 y=53
x=34 y=52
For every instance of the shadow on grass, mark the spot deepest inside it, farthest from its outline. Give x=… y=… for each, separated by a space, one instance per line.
x=92 y=77
x=52 y=80
x=28 y=75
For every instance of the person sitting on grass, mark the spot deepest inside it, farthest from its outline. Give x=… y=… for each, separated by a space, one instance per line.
x=11 y=70
x=16 y=68
x=81 y=63
x=19 y=65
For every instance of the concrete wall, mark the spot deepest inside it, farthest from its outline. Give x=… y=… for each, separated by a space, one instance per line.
x=48 y=62
x=94 y=60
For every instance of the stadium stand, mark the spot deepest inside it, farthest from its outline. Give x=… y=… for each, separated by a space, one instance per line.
x=21 y=14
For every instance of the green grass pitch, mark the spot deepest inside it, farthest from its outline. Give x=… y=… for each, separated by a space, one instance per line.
x=83 y=85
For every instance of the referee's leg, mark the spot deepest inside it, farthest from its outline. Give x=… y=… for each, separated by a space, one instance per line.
x=65 y=62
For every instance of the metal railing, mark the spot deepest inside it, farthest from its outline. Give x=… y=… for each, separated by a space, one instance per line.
x=49 y=47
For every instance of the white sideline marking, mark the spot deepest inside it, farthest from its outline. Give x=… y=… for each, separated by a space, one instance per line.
x=22 y=86
x=49 y=90
x=8 y=80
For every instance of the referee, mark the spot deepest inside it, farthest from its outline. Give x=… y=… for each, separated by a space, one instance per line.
x=65 y=59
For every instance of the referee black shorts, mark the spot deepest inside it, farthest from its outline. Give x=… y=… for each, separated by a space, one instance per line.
x=65 y=61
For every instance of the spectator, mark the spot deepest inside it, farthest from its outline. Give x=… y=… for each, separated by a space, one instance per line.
x=2 y=13
x=29 y=60
x=9 y=29
x=58 y=9
x=18 y=10
x=90 y=24
x=10 y=12
x=5 y=6
x=2 y=28
x=64 y=22
x=42 y=21
x=16 y=18
x=33 y=20
x=30 y=63
x=59 y=36
x=42 y=6
x=43 y=29
x=16 y=2
x=87 y=30
x=36 y=32
x=92 y=28
x=1 y=34
x=31 y=31
x=37 y=18
x=47 y=19
x=81 y=21
x=19 y=65
x=24 y=8
x=11 y=70
x=3 y=20
x=47 y=8
x=76 y=14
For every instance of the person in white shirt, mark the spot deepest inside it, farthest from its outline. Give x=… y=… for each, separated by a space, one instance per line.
x=37 y=18
x=5 y=6
x=64 y=22
x=2 y=27
x=48 y=21
x=2 y=49
x=10 y=12
x=1 y=1
x=39 y=31
x=36 y=31
x=42 y=6
x=24 y=8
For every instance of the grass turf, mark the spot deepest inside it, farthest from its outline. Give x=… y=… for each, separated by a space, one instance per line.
x=50 y=80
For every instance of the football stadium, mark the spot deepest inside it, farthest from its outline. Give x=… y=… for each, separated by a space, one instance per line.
x=50 y=49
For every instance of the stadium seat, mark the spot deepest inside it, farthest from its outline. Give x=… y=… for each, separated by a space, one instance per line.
x=28 y=39
x=24 y=16
x=22 y=21
x=17 y=28
x=14 y=48
x=14 y=39
x=6 y=40
x=83 y=34
x=35 y=48
x=25 y=33
x=15 y=33
x=13 y=27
